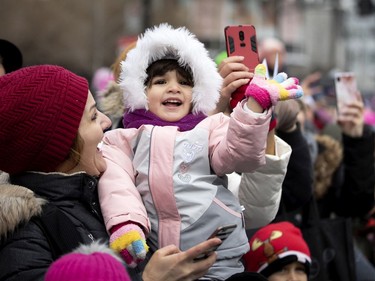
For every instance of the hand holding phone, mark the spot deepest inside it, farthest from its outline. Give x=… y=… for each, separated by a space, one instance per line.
x=240 y=40
x=346 y=88
x=222 y=232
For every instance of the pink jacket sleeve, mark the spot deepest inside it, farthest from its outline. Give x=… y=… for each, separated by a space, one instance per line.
x=119 y=199
x=242 y=149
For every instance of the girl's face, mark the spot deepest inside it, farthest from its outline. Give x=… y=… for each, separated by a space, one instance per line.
x=169 y=96
x=91 y=128
x=292 y=272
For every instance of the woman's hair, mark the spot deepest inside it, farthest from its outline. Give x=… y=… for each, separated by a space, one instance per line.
x=75 y=152
x=116 y=66
x=160 y=67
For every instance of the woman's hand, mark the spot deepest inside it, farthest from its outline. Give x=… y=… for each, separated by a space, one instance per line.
x=170 y=264
x=351 y=119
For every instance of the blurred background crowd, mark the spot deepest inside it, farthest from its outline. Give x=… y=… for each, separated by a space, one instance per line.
x=85 y=35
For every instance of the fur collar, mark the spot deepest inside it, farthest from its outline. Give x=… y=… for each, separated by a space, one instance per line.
x=17 y=205
x=328 y=160
x=155 y=44
x=111 y=102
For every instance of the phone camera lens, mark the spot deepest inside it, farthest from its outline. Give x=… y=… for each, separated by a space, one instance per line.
x=242 y=36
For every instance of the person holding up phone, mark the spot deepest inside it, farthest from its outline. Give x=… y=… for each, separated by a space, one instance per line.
x=287 y=129
x=179 y=155
x=261 y=187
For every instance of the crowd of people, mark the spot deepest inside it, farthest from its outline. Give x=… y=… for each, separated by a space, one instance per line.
x=128 y=182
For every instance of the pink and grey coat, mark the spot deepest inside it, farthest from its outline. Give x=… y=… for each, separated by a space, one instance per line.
x=171 y=182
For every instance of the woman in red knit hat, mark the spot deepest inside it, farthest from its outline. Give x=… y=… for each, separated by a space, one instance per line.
x=49 y=136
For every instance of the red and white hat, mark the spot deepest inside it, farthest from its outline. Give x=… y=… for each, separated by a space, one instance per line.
x=274 y=246
x=164 y=41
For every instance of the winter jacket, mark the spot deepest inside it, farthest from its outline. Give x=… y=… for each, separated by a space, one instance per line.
x=353 y=181
x=179 y=178
x=260 y=191
x=25 y=253
x=299 y=179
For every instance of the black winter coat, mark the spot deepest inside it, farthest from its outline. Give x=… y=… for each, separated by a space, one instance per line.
x=25 y=253
x=298 y=183
x=351 y=193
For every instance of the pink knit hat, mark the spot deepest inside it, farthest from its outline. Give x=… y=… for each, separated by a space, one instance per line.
x=94 y=262
x=40 y=111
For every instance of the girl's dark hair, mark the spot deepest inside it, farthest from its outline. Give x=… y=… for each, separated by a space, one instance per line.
x=160 y=67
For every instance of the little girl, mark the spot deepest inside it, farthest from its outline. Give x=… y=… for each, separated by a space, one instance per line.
x=170 y=161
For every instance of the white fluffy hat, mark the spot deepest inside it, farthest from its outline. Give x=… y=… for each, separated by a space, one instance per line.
x=155 y=44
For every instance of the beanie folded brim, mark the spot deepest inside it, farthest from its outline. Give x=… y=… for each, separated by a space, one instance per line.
x=278 y=265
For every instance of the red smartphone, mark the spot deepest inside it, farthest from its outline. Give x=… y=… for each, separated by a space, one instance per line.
x=221 y=232
x=240 y=40
x=345 y=88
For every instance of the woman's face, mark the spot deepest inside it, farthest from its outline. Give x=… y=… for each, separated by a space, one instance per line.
x=292 y=272
x=91 y=128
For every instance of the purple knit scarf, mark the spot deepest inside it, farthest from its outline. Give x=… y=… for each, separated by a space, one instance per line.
x=141 y=117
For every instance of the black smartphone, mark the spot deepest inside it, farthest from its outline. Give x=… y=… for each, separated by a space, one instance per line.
x=222 y=232
x=240 y=40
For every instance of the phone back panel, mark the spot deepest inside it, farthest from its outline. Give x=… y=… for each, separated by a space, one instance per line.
x=241 y=41
x=345 y=88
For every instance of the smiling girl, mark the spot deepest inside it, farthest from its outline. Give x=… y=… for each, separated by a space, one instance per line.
x=179 y=155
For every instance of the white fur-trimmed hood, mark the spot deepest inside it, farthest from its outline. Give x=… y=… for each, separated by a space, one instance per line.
x=155 y=44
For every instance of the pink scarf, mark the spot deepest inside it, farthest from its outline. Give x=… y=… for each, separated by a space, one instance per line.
x=143 y=117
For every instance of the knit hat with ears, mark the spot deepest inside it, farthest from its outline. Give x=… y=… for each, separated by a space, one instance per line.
x=274 y=246
x=88 y=263
x=41 y=108
x=163 y=41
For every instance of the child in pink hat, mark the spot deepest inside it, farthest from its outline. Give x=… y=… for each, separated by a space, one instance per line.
x=88 y=262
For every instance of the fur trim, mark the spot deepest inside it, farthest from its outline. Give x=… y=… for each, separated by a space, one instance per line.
x=328 y=160
x=4 y=177
x=154 y=45
x=97 y=247
x=112 y=103
x=17 y=205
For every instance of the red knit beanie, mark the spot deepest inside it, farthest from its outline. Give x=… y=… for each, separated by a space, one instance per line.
x=40 y=111
x=274 y=246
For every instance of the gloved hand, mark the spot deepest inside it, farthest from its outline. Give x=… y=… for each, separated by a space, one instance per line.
x=129 y=240
x=268 y=92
